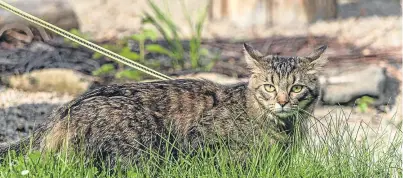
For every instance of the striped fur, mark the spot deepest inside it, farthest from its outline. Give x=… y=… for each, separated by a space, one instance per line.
x=126 y=119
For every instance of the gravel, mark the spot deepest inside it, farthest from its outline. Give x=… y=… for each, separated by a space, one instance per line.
x=20 y=111
x=17 y=122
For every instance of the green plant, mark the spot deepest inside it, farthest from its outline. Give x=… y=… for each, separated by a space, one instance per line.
x=170 y=32
x=122 y=48
x=364 y=102
x=196 y=52
x=141 y=38
x=76 y=32
x=195 y=58
x=104 y=69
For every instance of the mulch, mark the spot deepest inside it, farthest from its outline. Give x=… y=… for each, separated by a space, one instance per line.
x=17 y=55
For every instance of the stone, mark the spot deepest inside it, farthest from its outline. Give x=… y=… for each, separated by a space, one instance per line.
x=64 y=81
x=344 y=87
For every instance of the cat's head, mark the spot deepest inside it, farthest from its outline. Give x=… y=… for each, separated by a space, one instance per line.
x=285 y=85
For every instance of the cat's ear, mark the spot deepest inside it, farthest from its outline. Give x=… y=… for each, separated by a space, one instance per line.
x=252 y=56
x=317 y=53
x=316 y=60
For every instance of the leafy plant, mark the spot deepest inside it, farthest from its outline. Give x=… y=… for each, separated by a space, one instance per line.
x=129 y=74
x=364 y=102
x=195 y=57
x=196 y=52
x=141 y=38
x=104 y=69
x=76 y=32
x=170 y=33
x=122 y=48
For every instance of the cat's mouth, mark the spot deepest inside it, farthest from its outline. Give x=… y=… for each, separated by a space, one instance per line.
x=284 y=112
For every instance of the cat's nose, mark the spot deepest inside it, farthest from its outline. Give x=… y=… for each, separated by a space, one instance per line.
x=282 y=103
x=282 y=99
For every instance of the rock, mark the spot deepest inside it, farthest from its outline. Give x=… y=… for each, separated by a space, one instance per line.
x=63 y=81
x=345 y=86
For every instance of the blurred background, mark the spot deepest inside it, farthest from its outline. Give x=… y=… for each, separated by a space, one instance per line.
x=40 y=70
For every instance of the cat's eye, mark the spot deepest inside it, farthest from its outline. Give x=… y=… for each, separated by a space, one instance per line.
x=296 y=88
x=269 y=88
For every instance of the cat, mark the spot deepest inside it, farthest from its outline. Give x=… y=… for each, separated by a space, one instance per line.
x=125 y=119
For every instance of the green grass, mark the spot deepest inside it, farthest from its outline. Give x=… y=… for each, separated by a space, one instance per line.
x=338 y=154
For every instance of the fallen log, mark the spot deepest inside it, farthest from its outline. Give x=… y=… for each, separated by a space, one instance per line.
x=56 y=12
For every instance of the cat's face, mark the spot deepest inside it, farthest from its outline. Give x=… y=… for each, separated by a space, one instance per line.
x=284 y=85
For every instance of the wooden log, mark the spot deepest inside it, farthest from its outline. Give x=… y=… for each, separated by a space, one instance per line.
x=56 y=12
x=273 y=12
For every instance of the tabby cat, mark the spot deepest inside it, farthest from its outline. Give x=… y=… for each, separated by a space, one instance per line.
x=125 y=119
